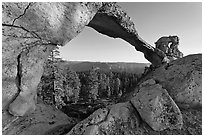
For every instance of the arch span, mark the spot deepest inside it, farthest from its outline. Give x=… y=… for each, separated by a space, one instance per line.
x=31 y=30
x=112 y=21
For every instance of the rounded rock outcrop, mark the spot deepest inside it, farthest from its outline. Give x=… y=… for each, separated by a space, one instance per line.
x=117 y=119
x=30 y=31
x=156 y=107
x=182 y=78
x=43 y=121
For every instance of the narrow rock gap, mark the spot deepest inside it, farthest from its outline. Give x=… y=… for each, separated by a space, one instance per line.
x=18 y=78
x=19 y=73
x=60 y=130
x=137 y=113
x=106 y=118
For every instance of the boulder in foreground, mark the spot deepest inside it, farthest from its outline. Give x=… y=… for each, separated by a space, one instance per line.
x=156 y=107
x=44 y=120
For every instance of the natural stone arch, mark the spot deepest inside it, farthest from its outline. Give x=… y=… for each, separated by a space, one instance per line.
x=31 y=30
x=112 y=21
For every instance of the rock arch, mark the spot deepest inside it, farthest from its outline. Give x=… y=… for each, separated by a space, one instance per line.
x=31 y=30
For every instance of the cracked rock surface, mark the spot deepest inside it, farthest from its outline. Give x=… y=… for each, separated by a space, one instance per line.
x=182 y=78
x=117 y=119
x=39 y=27
x=156 y=107
x=30 y=31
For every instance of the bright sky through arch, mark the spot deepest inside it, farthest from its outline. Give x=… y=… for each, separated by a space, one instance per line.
x=152 y=20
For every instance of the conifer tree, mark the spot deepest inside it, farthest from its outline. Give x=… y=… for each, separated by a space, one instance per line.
x=92 y=85
x=72 y=85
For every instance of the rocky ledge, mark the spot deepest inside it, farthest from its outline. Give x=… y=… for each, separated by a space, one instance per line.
x=166 y=101
x=30 y=31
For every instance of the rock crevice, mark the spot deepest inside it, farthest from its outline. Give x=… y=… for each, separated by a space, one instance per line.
x=21 y=14
x=30 y=31
x=18 y=78
x=34 y=34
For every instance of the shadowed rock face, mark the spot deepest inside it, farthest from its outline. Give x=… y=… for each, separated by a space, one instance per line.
x=111 y=20
x=29 y=33
x=31 y=30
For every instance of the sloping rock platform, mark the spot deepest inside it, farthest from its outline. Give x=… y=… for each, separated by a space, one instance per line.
x=44 y=120
x=31 y=30
x=152 y=108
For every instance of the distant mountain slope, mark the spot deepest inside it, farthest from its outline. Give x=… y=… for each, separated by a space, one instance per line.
x=78 y=66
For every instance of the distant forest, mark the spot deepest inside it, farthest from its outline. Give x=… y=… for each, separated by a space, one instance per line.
x=60 y=85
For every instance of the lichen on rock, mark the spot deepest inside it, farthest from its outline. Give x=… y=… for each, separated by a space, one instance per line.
x=116 y=119
x=156 y=107
x=29 y=33
x=182 y=79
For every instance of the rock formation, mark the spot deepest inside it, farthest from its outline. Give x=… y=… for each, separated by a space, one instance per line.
x=30 y=31
x=111 y=20
x=168 y=46
x=182 y=79
x=45 y=120
x=117 y=119
x=159 y=104
x=156 y=107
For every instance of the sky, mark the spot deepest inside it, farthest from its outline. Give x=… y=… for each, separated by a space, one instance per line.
x=152 y=20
